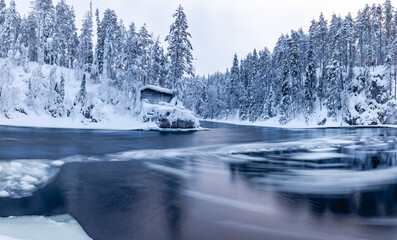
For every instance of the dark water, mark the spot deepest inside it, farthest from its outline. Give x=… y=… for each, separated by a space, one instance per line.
x=232 y=182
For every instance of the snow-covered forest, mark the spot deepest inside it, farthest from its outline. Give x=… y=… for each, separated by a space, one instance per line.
x=342 y=70
x=50 y=68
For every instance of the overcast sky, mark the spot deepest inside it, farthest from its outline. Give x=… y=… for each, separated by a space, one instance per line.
x=221 y=28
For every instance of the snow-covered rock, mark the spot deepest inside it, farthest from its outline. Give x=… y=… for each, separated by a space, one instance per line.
x=169 y=115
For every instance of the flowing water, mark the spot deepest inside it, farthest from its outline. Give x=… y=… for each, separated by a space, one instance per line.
x=231 y=182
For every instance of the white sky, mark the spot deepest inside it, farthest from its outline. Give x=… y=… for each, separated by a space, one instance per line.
x=221 y=27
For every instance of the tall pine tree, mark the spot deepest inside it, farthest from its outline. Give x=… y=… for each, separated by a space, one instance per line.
x=179 y=50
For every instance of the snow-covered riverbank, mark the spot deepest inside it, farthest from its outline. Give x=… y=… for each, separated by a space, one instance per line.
x=113 y=122
x=294 y=124
x=48 y=96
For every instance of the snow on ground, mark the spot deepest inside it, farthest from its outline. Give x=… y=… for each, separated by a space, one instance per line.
x=104 y=106
x=113 y=122
x=297 y=123
x=62 y=227
x=294 y=124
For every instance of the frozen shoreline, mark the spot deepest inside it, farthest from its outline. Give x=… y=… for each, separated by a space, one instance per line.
x=125 y=123
x=294 y=124
x=62 y=227
x=115 y=123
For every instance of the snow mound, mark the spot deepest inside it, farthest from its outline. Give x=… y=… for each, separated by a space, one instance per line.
x=169 y=115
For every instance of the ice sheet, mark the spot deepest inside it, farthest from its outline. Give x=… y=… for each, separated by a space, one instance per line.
x=62 y=227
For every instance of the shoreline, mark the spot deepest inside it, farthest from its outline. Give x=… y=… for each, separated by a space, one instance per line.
x=266 y=125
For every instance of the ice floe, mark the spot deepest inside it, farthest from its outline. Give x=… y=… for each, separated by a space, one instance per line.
x=328 y=181
x=62 y=227
x=19 y=178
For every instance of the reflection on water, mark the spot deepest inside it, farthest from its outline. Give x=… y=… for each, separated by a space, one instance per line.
x=231 y=182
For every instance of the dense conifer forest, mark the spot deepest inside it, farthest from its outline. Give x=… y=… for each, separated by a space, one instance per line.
x=341 y=70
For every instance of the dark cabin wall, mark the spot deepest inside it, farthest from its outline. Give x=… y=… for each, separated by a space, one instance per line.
x=155 y=97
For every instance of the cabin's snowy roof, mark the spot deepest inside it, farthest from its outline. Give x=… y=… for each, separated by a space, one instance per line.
x=157 y=89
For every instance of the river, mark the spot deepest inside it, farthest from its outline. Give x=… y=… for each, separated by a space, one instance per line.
x=230 y=182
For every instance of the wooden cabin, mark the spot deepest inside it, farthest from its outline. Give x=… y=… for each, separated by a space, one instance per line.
x=155 y=94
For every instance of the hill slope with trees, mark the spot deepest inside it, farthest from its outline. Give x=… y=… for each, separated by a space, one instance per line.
x=341 y=71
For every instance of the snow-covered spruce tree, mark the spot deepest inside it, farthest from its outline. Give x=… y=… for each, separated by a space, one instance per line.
x=310 y=82
x=244 y=89
x=389 y=73
x=302 y=43
x=65 y=36
x=98 y=54
x=44 y=15
x=270 y=84
x=264 y=72
x=9 y=30
x=8 y=92
x=322 y=41
x=393 y=51
x=131 y=60
x=388 y=24
x=82 y=95
x=30 y=95
x=119 y=66
x=30 y=37
x=202 y=100
x=109 y=45
x=179 y=51
x=157 y=71
x=362 y=30
x=220 y=103
x=2 y=11
x=82 y=104
x=377 y=34
x=295 y=73
x=334 y=98
x=334 y=36
x=253 y=82
x=279 y=55
x=37 y=91
x=145 y=43
x=233 y=88
x=50 y=97
x=86 y=45
x=60 y=97
x=348 y=45
x=285 y=105
x=259 y=85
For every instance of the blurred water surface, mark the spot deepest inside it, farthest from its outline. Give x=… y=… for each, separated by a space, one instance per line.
x=231 y=182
